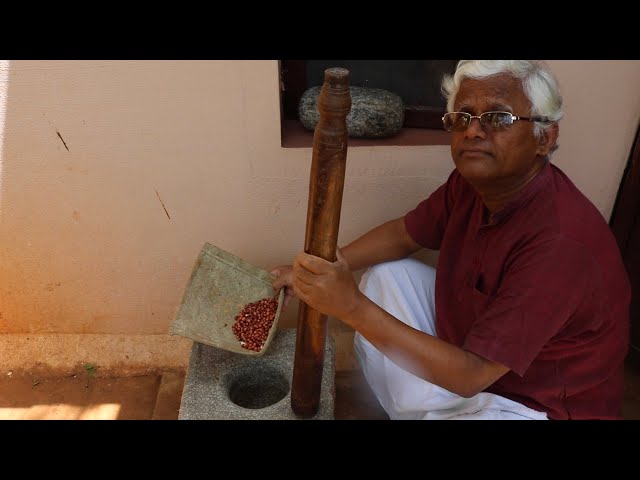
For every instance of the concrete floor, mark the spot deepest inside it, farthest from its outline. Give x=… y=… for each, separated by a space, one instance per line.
x=157 y=397
x=148 y=397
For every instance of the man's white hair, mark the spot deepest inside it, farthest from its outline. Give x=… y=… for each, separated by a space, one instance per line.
x=538 y=82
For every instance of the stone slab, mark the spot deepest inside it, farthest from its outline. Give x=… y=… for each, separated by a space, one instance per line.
x=375 y=113
x=222 y=385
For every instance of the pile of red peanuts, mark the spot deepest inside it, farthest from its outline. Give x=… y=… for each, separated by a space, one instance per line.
x=254 y=322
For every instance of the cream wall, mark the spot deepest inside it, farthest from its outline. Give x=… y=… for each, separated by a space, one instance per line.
x=85 y=243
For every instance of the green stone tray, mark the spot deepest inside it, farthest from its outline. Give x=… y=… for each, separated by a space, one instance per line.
x=221 y=284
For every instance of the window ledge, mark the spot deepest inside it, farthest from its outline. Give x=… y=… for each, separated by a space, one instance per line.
x=294 y=135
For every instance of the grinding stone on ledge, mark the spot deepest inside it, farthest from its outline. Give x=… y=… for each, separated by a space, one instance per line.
x=375 y=113
x=215 y=378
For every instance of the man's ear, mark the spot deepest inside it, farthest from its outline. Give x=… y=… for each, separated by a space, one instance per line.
x=547 y=140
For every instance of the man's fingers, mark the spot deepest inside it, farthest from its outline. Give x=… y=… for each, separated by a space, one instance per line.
x=278 y=283
x=312 y=263
x=303 y=275
x=281 y=275
x=300 y=289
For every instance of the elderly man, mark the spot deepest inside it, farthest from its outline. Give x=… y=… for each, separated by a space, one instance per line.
x=527 y=313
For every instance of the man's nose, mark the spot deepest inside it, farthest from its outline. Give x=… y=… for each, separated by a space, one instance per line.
x=474 y=129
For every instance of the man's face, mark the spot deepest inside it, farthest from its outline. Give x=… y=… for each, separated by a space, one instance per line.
x=484 y=156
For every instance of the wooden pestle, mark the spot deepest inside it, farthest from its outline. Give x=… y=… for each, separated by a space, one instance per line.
x=326 y=184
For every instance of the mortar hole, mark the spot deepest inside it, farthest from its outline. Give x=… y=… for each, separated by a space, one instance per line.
x=258 y=388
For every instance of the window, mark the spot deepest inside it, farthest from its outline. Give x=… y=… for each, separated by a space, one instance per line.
x=416 y=81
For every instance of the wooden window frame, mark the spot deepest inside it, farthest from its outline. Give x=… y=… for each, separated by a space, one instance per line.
x=422 y=124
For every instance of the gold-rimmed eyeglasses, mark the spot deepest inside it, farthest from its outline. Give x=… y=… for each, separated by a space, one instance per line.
x=460 y=121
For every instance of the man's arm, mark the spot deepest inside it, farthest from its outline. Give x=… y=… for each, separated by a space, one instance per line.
x=389 y=241
x=430 y=358
x=330 y=288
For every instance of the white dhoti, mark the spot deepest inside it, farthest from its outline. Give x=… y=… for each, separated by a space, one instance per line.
x=406 y=290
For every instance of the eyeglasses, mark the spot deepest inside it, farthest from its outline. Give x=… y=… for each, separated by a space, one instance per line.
x=460 y=121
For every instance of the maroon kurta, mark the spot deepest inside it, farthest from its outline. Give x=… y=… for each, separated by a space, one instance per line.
x=538 y=286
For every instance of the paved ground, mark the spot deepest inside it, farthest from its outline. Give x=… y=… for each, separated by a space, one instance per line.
x=81 y=396
x=148 y=397
x=157 y=397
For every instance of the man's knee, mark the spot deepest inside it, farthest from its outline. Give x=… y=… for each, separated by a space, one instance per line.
x=400 y=269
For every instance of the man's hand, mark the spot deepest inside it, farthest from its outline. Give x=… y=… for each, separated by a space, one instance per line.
x=283 y=275
x=325 y=286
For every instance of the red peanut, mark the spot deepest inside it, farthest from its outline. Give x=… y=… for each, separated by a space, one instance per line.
x=253 y=323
